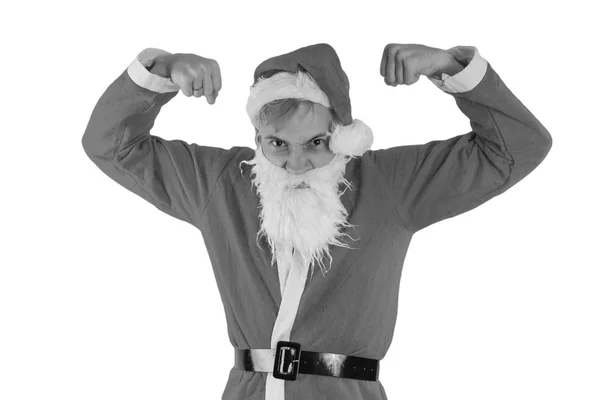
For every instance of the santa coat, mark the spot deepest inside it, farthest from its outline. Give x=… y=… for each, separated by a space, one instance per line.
x=397 y=192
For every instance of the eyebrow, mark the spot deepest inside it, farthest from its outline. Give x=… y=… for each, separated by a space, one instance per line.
x=308 y=141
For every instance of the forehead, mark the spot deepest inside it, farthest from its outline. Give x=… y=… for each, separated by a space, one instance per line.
x=304 y=125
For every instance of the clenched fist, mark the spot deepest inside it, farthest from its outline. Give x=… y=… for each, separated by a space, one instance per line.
x=404 y=63
x=195 y=75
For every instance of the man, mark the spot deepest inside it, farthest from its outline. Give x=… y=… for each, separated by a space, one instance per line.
x=312 y=194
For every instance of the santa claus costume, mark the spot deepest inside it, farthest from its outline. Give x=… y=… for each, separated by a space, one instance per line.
x=297 y=334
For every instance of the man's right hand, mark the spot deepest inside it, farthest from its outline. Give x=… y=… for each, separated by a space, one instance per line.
x=195 y=75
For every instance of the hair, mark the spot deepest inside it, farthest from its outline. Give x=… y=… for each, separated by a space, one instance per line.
x=283 y=109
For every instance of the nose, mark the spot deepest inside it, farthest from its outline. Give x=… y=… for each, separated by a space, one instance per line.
x=297 y=164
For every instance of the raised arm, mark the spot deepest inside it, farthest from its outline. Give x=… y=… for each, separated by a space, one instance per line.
x=176 y=177
x=444 y=178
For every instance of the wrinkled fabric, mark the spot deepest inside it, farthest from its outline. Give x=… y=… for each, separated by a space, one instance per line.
x=397 y=192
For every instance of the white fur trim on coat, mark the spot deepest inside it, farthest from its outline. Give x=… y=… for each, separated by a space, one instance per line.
x=139 y=73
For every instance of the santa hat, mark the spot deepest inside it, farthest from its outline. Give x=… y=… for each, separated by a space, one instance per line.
x=313 y=73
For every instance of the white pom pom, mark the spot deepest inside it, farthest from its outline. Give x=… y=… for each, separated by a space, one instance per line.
x=353 y=139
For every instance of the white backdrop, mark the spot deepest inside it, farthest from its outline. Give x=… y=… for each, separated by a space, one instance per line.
x=102 y=296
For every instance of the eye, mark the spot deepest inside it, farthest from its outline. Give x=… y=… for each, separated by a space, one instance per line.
x=320 y=142
x=278 y=141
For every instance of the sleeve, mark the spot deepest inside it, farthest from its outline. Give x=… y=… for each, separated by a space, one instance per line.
x=176 y=177
x=444 y=178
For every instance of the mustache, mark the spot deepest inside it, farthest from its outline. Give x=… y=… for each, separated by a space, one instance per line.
x=277 y=179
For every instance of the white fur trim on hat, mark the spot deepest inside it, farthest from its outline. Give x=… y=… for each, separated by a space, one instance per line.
x=284 y=85
x=352 y=140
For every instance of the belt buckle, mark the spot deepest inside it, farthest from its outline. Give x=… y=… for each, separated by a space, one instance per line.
x=287 y=361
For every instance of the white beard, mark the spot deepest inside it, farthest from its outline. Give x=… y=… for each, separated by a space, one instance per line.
x=304 y=220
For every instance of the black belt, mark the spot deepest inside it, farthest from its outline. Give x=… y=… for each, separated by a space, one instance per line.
x=287 y=361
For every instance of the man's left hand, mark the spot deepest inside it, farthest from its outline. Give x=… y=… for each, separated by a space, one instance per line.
x=404 y=63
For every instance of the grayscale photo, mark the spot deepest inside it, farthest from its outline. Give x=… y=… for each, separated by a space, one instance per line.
x=248 y=201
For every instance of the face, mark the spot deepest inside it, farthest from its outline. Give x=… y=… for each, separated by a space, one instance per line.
x=301 y=143
x=300 y=185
